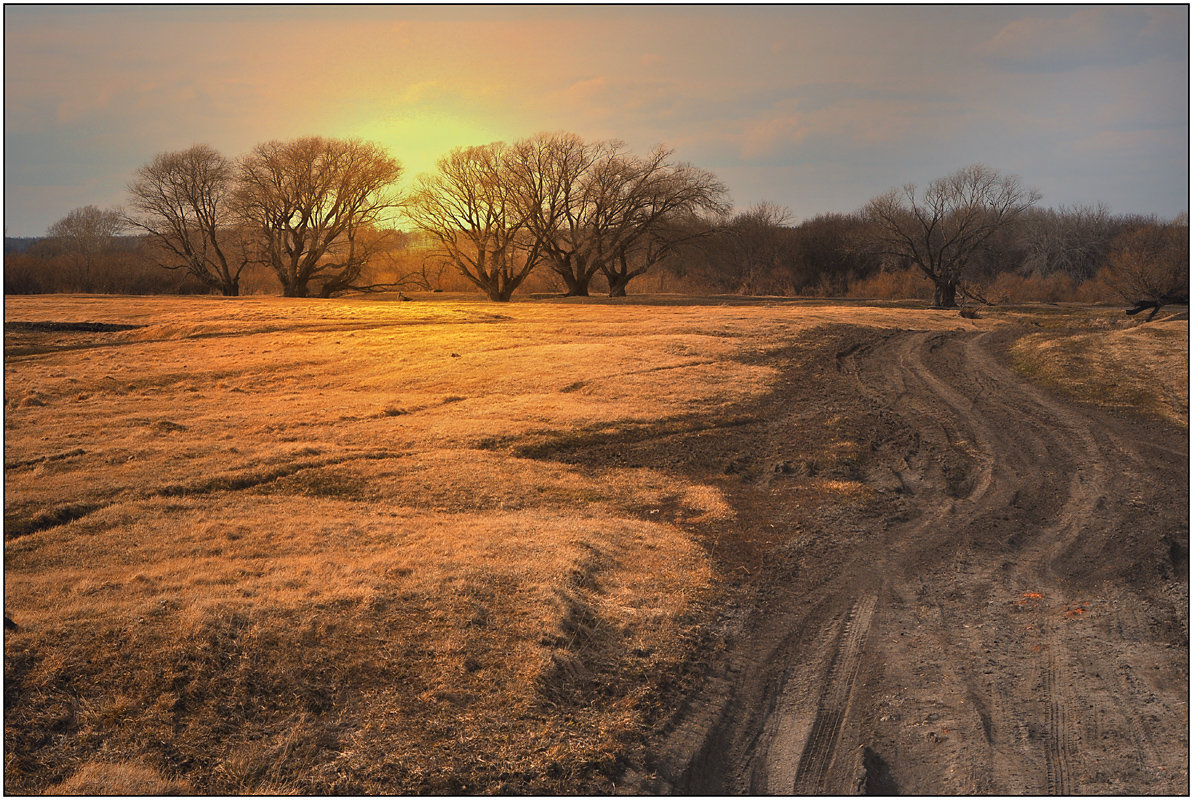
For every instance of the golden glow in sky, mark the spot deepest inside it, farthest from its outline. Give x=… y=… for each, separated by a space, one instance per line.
x=813 y=107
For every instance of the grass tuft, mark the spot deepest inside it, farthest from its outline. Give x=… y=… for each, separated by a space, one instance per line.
x=121 y=778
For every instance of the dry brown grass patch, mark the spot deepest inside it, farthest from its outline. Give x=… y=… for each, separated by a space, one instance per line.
x=238 y=568
x=252 y=643
x=121 y=778
x=1143 y=368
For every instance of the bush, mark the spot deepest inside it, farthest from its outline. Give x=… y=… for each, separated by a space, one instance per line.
x=1150 y=261
x=1098 y=290
x=121 y=268
x=907 y=284
x=1009 y=287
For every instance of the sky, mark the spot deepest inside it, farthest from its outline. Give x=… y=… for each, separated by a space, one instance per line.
x=815 y=108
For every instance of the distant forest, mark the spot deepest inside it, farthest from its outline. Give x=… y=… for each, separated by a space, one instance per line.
x=555 y=213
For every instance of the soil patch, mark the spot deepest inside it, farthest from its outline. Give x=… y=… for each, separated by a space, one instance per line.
x=977 y=610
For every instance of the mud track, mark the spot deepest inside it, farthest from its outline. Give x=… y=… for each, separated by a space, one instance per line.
x=1011 y=620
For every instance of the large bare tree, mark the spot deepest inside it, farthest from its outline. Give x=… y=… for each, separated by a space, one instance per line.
x=941 y=229
x=316 y=206
x=652 y=207
x=594 y=208
x=181 y=200
x=552 y=176
x=470 y=208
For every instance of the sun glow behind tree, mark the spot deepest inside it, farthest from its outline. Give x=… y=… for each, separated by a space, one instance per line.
x=813 y=108
x=420 y=137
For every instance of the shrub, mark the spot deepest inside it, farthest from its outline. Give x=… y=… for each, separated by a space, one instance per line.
x=907 y=284
x=1098 y=290
x=1009 y=287
x=1150 y=261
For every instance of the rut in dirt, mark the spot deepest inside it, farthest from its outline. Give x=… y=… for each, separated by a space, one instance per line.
x=1014 y=623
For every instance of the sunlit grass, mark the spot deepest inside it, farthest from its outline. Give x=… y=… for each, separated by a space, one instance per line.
x=1141 y=368
x=323 y=546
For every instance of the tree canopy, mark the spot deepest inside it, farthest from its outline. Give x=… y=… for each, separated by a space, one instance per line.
x=315 y=206
x=941 y=229
x=181 y=200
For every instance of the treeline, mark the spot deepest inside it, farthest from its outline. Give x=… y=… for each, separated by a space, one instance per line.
x=556 y=213
x=1079 y=254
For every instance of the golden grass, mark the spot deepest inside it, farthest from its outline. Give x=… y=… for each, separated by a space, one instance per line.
x=120 y=778
x=267 y=545
x=1143 y=368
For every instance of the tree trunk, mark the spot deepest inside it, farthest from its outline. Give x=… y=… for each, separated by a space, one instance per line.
x=576 y=285
x=945 y=295
x=619 y=279
x=231 y=289
x=496 y=289
x=294 y=290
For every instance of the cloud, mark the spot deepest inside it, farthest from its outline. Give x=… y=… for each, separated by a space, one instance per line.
x=1103 y=36
x=637 y=103
x=764 y=137
x=1129 y=144
x=585 y=90
x=881 y=95
x=858 y=119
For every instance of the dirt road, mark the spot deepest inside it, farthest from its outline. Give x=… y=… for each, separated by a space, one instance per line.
x=1008 y=618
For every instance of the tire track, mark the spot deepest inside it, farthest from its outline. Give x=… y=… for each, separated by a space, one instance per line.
x=1085 y=488
x=945 y=419
x=818 y=752
x=774 y=759
x=1004 y=494
x=1060 y=741
x=1049 y=430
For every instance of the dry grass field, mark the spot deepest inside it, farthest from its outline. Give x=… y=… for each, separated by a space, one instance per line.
x=1143 y=367
x=268 y=545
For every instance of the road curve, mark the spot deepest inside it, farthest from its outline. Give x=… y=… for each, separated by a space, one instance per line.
x=1015 y=628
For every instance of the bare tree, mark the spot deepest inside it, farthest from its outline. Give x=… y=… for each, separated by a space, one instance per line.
x=941 y=229
x=88 y=229
x=552 y=176
x=595 y=208
x=315 y=206
x=1074 y=240
x=83 y=237
x=651 y=208
x=470 y=208
x=181 y=200
x=825 y=256
x=1149 y=265
x=752 y=245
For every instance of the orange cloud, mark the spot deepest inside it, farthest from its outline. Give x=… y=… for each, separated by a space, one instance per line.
x=854 y=121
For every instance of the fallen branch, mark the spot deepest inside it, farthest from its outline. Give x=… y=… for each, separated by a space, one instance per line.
x=973 y=294
x=1156 y=305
